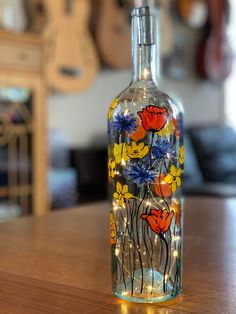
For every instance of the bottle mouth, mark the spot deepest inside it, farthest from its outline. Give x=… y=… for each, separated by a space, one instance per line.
x=142 y=11
x=144 y=23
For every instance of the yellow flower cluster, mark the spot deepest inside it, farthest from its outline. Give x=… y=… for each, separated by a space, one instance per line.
x=123 y=152
x=111 y=168
x=137 y=150
x=122 y=193
x=173 y=178
x=113 y=106
x=120 y=153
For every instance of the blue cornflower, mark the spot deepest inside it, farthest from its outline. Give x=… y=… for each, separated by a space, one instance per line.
x=162 y=149
x=125 y=123
x=139 y=173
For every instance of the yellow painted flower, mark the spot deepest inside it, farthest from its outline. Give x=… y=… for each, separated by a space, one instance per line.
x=137 y=150
x=122 y=193
x=112 y=229
x=167 y=130
x=111 y=168
x=181 y=155
x=120 y=153
x=113 y=106
x=173 y=178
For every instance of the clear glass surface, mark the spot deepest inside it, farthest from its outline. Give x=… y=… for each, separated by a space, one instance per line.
x=146 y=159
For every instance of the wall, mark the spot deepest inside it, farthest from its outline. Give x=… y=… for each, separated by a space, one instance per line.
x=83 y=116
x=230 y=84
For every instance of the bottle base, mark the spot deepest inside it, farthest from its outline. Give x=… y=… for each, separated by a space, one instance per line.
x=152 y=290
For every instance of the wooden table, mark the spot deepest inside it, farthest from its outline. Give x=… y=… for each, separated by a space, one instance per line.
x=60 y=263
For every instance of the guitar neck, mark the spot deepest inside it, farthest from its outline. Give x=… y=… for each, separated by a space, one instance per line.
x=217 y=14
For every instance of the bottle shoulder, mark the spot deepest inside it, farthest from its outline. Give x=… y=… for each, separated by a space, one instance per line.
x=138 y=96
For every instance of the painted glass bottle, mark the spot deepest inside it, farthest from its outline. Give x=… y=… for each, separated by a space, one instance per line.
x=146 y=158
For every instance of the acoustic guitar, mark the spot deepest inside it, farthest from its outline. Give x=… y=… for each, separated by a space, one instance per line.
x=72 y=61
x=112 y=29
x=215 y=57
x=112 y=32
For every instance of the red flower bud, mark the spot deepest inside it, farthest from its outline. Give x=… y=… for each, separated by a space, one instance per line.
x=159 y=220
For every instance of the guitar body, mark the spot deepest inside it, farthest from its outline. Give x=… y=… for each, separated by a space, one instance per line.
x=215 y=59
x=112 y=33
x=71 y=59
x=218 y=58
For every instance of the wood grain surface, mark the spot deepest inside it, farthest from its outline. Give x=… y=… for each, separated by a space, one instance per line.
x=60 y=263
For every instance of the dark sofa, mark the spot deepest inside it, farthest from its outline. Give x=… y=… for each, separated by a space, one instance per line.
x=210 y=165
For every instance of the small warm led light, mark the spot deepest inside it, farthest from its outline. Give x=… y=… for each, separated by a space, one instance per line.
x=146 y=73
x=126 y=112
x=148 y=203
x=176 y=238
x=125 y=293
x=117 y=251
x=115 y=207
x=150 y=288
x=123 y=162
x=175 y=254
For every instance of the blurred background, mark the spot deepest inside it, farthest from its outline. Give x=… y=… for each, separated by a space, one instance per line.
x=61 y=64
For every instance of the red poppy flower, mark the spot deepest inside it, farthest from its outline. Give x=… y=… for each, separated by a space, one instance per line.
x=153 y=118
x=159 y=220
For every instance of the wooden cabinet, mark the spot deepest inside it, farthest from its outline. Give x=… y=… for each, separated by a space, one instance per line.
x=23 y=127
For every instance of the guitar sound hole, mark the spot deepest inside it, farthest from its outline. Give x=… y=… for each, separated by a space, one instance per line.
x=70 y=72
x=40 y=8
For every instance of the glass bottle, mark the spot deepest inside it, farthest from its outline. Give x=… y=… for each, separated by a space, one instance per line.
x=145 y=164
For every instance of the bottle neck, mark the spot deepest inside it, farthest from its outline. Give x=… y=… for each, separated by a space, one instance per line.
x=145 y=48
